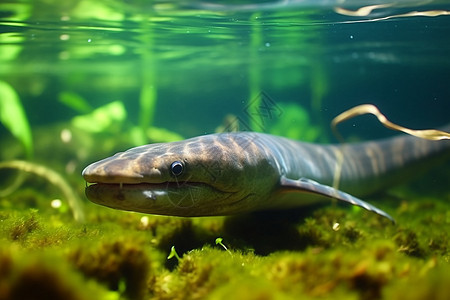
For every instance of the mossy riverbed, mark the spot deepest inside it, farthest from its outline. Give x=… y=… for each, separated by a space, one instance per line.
x=318 y=253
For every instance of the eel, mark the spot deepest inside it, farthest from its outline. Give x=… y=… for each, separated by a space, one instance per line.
x=242 y=172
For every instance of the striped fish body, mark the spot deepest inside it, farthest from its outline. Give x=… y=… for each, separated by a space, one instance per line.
x=229 y=173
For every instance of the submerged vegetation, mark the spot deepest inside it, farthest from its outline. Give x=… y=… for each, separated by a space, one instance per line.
x=120 y=255
x=12 y=116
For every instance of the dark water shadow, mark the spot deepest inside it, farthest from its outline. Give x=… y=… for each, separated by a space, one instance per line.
x=269 y=231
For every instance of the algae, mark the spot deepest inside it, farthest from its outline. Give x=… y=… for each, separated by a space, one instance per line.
x=298 y=254
x=313 y=253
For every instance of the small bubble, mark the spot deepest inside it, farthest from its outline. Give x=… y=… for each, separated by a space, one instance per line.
x=89 y=40
x=336 y=226
x=66 y=135
x=145 y=221
x=267 y=44
x=71 y=166
x=64 y=37
x=63 y=55
x=351 y=37
x=56 y=203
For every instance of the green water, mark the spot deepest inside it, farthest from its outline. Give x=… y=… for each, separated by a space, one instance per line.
x=200 y=64
x=96 y=77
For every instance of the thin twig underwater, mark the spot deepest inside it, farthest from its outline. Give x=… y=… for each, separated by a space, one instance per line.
x=55 y=179
x=428 y=134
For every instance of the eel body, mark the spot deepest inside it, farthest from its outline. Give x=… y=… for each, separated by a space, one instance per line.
x=231 y=173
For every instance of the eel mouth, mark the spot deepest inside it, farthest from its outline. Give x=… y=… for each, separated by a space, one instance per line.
x=150 y=186
x=189 y=199
x=103 y=193
x=97 y=191
x=175 y=186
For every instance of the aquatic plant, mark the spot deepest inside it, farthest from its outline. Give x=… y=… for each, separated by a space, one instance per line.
x=219 y=242
x=363 y=258
x=112 y=118
x=254 y=71
x=35 y=275
x=75 y=102
x=295 y=123
x=13 y=117
x=148 y=95
x=120 y=264
x=173 y=253
x=102 y=119
x=55 y=179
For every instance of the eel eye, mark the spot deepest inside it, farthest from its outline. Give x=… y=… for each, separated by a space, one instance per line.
x=176 y=168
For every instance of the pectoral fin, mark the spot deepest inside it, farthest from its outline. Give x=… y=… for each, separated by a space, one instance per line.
x=311 y=186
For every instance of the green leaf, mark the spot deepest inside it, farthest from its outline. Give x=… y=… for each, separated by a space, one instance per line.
x=173 y=253
x=75 y=101
x=102 y=118
x=162 y=135
x=13 y=117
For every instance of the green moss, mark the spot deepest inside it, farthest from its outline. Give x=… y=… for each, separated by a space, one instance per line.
x=35 y=276
x=429 y=282
x=325 y=252
x=201 y=272
x=23 y=226
x=319 y=273
x=122 y=265
x=408 y=243
x=251 y=288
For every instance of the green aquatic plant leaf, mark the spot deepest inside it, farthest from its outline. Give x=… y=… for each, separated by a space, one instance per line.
x=254 y=71
x=11 y=46
x=163 y=135
x=102 y=118
x=149 y=88
x=13 y=117
x=219 y=241
x=295 y=123
x=54 y=178
x=75 y=102
x=173 y=253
